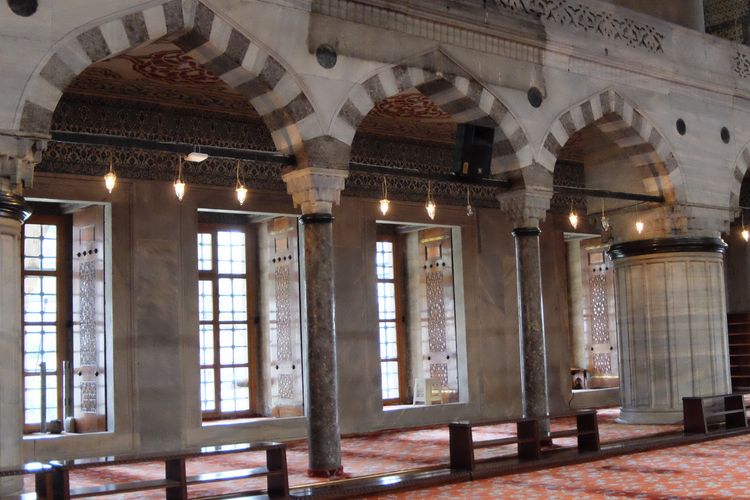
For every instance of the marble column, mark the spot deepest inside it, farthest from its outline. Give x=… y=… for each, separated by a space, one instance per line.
x=17 y=159
x=527 y=208
x=534 y=392
x=316 y=190
x=672 y=325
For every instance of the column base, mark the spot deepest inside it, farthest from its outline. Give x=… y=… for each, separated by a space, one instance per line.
x=10 y=486
x=657 y=417
x=328 y=473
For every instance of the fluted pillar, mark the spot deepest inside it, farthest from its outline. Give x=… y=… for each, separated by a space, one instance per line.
x=17 y=159
x=527 y=208
x=672 y=325
x=316 y=190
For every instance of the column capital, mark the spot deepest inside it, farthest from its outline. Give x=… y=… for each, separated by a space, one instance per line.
x=669 y=221
x=19 y=154
x=315 y=190
x=527 y=207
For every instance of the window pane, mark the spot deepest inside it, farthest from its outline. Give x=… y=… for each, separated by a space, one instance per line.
x=386 y=301
x=33 y=398
x=40 y=299
x=389 y=378
x=384 y=260
x=205 y=300
x=40 y=247
x=233 y=344
x=40 y=320
x=206 y=345
x=231 y=252
x=208 y=398
x=235 y=395
x=204 y=252
x=232 y=299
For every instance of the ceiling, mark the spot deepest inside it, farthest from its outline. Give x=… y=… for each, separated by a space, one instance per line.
x=160 y=74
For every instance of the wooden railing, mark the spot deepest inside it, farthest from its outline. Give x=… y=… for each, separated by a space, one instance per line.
x=528 y=439
x=725 y=411
x=53 y=478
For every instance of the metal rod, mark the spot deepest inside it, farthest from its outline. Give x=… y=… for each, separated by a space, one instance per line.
x=370 y=168
x=275 y=157
x=602 y=193
x=43 y=385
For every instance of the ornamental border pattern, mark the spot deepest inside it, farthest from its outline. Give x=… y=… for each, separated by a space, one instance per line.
x=574 y=15
x=591 y=20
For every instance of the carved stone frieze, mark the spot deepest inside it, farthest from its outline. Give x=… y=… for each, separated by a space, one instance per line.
x=146 y=120
x=591 y=20
x=741 y=65
x=568 y=174
x=81 y=159
x=570 y=14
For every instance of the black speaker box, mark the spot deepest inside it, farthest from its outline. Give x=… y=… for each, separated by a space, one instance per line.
x=473 y=154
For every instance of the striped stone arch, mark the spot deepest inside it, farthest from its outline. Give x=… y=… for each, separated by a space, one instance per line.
x=206 y=37
x=464 y=98
x=624 y=125
x=740 y=168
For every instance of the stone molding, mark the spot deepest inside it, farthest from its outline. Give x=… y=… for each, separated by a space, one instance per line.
x=18 y=156
x=526 y=207
x=569 y=14
x=591 y=20
x=666 y=245
x=13 y=206
x=315 y=190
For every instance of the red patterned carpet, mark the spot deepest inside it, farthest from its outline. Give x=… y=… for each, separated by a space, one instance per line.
x=377 y=453
x=708 y=470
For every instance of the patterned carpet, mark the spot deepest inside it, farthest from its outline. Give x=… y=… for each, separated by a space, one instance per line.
x=709 y=470
x=376 y=453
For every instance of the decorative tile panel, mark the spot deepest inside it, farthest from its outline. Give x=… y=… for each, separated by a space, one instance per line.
x=283 y=314
x=87 y=304
x=435 y=312
x=599 y=309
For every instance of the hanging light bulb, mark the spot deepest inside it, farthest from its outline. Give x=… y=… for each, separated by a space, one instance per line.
x=573 y=217
x=638 y=223
x=179 y=183
x=240 y=188
x=430 y=206
x=469 y=208
x=745 y=233
x=110 y=178
x=385 y=203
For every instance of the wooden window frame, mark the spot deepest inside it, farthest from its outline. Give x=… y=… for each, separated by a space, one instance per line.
x=398 y=281
x=63 y=289
x=251 y=323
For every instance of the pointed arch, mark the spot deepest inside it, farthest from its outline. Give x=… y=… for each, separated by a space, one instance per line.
x=626 y=126
x=225 y=51
x=738 y=175
x=457 y=93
